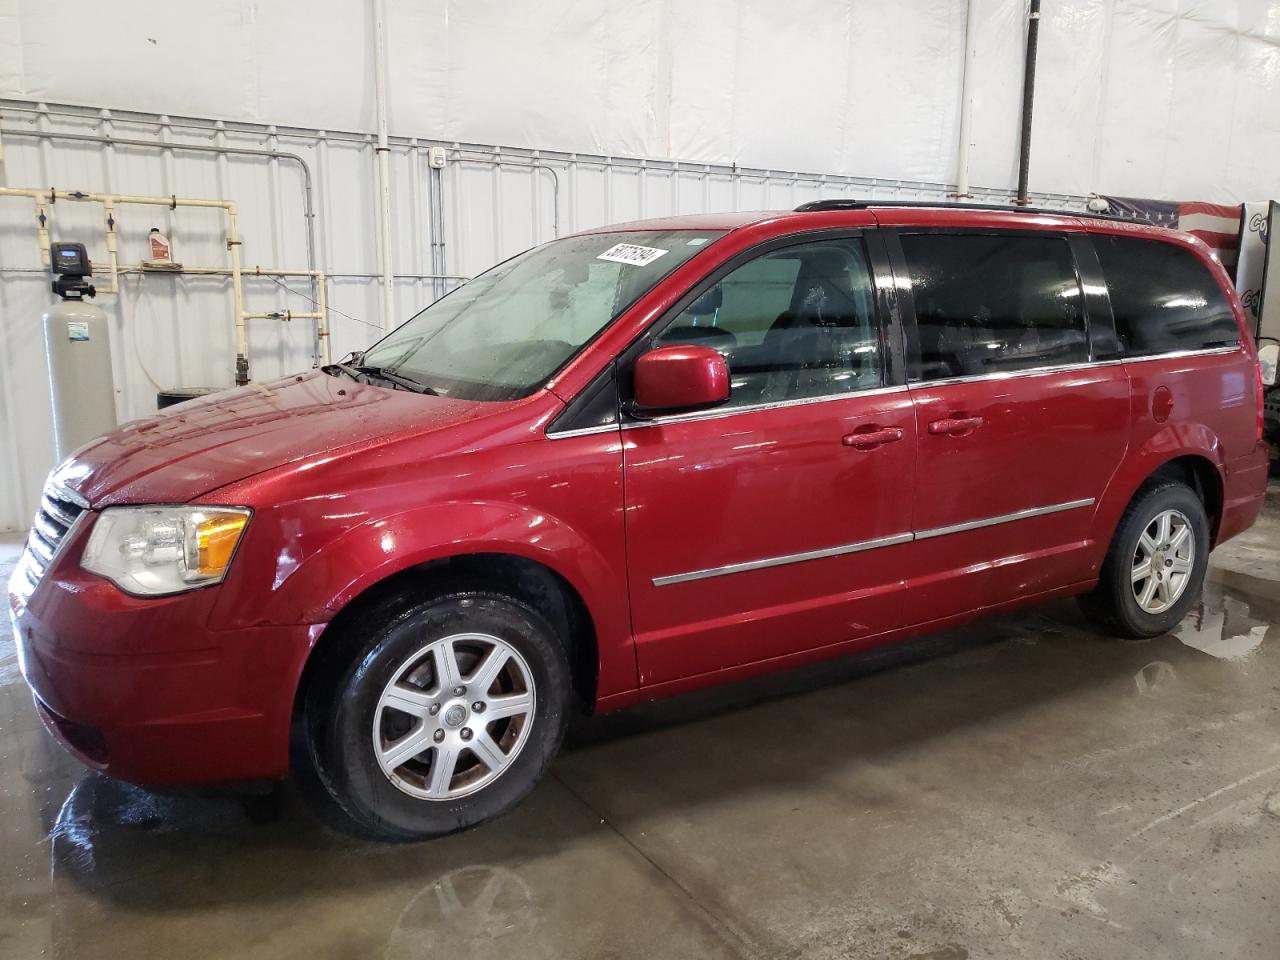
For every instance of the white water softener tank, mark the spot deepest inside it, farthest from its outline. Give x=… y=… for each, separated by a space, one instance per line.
x=78 y=353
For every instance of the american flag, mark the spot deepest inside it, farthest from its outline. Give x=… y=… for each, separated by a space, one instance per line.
x=1216 y=224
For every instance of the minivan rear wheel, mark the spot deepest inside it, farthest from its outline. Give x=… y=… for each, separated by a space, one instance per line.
x=1155 y=566
x=441 y=714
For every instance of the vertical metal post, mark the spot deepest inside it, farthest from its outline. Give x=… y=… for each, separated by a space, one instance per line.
x=1028 y=100
x=415 y=219
x=382 y=150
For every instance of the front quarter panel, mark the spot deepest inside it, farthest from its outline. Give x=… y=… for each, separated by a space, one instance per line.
x=322 y=535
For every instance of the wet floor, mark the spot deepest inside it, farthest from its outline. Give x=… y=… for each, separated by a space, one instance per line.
x=1020 y=788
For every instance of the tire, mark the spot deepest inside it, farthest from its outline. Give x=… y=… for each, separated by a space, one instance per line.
x=1116 y=603
x=374 y=703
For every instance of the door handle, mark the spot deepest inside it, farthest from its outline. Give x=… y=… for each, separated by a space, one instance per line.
x=870 y=438
x=954 y=426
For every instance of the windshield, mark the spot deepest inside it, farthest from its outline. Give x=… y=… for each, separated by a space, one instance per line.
x=504 y=334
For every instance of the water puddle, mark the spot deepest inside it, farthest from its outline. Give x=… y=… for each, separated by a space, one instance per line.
x=1155 y=677
x=472 y=911
x=1223 y=627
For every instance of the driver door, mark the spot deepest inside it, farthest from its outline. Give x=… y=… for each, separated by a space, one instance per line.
x=778 y=522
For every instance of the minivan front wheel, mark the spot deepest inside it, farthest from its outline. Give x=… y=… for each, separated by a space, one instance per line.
x=1155 y=567
x=445 y=714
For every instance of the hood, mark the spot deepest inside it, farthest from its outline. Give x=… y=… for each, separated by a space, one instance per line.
x=200 y=445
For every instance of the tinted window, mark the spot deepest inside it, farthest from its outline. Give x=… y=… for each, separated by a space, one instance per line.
x=798 y=322
x=1163 y=298
x=989 y=303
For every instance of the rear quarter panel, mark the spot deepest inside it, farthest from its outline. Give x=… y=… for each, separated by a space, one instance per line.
x=1213 y=417
x=1213 y=414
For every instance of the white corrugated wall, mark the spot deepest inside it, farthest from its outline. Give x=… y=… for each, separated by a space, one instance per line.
x=171 y=331
x=1154 y=98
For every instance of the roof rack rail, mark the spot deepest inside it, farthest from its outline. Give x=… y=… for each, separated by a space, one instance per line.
x=820 y=205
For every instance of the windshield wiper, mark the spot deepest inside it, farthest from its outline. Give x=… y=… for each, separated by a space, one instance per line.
x=385 y=373
x=363 y=373
x=335 y=368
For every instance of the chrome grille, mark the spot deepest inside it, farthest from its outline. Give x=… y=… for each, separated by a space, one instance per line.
x=60 y=508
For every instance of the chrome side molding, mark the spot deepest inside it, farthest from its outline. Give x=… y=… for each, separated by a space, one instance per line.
x=786 y=559
x=1003 y=518
x=583 y=431
x=861 y=545
x=1070 y=367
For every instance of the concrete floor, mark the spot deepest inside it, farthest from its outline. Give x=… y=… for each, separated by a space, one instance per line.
x=1021 y=788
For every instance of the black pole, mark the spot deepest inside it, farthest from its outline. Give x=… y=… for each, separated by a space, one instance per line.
x=1028 y=100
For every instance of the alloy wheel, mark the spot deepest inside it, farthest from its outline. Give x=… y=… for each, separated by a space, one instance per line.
x=454 y=716
x=1163 y=561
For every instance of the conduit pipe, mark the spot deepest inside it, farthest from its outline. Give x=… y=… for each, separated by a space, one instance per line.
x=498 y=160
x=966 y=100
x=382 y=150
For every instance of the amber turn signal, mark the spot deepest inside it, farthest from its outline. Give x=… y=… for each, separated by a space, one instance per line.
x=216 y=539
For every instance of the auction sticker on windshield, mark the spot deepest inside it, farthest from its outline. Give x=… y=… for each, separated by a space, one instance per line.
x=631 y=253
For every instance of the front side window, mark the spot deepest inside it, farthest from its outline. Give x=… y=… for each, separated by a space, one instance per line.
x=504 y=334
x=795 y=323
x=1163 y=298
x=990 y=303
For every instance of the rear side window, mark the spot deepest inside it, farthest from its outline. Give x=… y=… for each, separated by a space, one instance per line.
x=1163 y=297
x=987 y=303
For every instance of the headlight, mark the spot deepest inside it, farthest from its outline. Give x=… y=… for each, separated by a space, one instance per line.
x=159 y=550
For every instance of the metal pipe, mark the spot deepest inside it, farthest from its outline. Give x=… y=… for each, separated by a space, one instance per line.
x=322 y=321
x=1028 y=100
x=862 y=186
x=535 y=207
x=285 y=315
x=222 y=271
x=109 y=224
x=50 y=195
x=436 y=195
x=499 y=159
x=966 y=100
x=251 y=272
x=42 y=232
x=109 y=181
x=168 y=185
x=383 y=151
x=242 y=341
x=277 y=218
x=499 y=250
x=415 y=203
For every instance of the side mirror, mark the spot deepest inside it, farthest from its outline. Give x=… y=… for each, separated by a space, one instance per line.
x=1268 y=358
x=683 y=376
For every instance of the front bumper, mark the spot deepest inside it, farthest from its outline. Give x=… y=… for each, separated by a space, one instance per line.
x=145 y=690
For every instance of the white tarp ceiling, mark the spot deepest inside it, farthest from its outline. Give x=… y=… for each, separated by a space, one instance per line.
x=1158 y=98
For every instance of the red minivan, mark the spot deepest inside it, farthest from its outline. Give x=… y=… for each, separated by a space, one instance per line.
x=634 y=462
